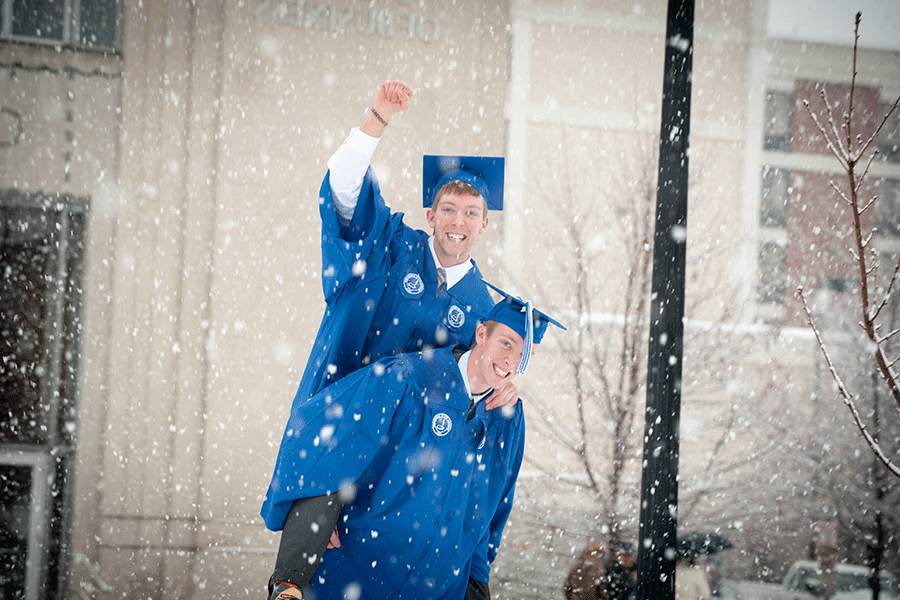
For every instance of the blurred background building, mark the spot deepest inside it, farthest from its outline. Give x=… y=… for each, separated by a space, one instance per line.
x=159 y=170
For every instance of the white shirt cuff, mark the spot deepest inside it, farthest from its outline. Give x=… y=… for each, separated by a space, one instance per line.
x=348 y=166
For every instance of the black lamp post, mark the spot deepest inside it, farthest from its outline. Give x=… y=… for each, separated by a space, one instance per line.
x=659 y=481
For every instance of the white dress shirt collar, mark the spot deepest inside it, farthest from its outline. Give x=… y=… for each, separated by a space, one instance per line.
x=463 y=365
x=454 y=273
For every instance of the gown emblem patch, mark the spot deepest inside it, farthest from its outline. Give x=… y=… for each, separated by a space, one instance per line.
x=456 y=317
x=441 y=424
x=413 y=284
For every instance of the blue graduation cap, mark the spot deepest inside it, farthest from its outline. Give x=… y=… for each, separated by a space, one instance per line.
x=524 y=319
x=484 y=173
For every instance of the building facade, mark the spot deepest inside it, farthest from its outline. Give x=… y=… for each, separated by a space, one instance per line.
x=159 y=168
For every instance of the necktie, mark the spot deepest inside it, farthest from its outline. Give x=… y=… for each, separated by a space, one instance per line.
x=442 y=279
x=473 y=403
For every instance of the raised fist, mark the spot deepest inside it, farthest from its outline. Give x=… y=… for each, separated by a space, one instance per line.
x=393 y=97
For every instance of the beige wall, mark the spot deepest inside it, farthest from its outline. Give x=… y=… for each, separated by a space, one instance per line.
x=202 y=149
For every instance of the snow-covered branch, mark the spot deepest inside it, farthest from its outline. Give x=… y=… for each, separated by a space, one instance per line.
x=845 y=393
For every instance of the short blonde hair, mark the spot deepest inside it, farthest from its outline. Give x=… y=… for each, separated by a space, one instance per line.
x=489 y=327
x=463 y=189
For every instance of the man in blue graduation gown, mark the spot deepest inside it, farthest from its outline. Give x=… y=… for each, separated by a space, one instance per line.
x=390 y=288
x=422 y=473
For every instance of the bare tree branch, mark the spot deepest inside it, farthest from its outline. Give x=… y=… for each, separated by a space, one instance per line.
x=871 y=305
x=846 y=395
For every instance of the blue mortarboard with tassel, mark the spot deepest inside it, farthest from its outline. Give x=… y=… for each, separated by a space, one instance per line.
x=524 y=319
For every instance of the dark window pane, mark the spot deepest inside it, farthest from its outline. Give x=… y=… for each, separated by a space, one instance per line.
x=779 y=110
x=38 y=18
x=15 y=504
x=889 y=136
x=839 y=284
x=887 y=207
x=773 y=208
x=25 y=260
x=772 y=273
x=98 y=23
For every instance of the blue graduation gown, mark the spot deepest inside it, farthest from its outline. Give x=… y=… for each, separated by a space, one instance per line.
x=432 y=491
x=380 y=285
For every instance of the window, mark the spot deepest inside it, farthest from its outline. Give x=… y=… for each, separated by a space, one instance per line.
x=23 y=497
x=840 y=285
x=887 y=207
x=794 y=154
x=15 y=493
x=772 y=273
x=92 y=24
x=889 y=136
x=41 y=257
x=775 y=190
x=779 y=108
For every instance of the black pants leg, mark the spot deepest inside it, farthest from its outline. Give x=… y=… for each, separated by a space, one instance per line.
x=303 y=540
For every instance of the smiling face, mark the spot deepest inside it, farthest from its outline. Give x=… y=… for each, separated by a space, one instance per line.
x=457 y=220
x=495 y=356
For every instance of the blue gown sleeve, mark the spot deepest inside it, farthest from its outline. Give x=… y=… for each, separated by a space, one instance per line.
x=334 y=436
x=486 y=551
x=362 y=248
